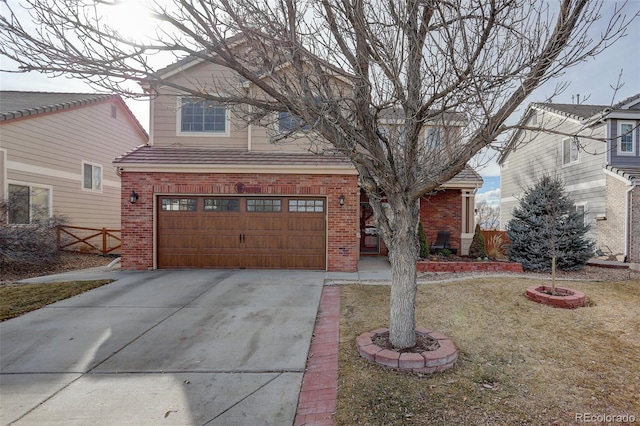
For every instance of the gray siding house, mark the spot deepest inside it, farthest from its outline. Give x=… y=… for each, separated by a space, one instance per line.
x=595 y=150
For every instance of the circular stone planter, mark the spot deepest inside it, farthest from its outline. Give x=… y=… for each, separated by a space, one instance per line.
x=426 y=362
x=567 y=299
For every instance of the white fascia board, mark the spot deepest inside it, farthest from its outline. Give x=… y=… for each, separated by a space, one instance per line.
x=472 y=185
x=624 y=115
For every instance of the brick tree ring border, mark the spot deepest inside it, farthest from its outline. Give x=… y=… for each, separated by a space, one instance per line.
x=569 y=298
x=426 y=362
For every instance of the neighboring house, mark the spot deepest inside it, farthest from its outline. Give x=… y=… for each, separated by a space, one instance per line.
x=56 y=155
x=595 y=150
x=211 y=191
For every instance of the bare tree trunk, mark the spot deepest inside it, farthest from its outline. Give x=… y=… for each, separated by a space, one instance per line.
x=553 y=274
x=403 y=254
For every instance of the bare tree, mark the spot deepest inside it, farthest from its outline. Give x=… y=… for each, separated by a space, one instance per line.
x=346 y=68
x=487 y=216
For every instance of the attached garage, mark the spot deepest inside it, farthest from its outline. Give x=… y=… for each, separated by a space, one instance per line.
x=254 y=232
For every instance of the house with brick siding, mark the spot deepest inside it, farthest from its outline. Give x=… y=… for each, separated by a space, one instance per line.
x=210 y=190
x=595 y=150
x=56 y=151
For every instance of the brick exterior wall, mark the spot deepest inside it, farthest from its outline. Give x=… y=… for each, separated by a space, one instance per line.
x=610 y=232
x=442 y=211
x=137 y=219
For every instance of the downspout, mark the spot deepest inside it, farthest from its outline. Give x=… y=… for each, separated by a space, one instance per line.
x=249 y=135
x=627 y=221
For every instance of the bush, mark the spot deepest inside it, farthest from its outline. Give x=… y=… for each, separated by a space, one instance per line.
x=496 y=247
x=477 y=248
x=424 y=247
x=546 y=225
x=34 y=242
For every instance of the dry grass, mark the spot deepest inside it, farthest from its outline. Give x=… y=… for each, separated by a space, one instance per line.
x=19 y=299
x=520 y=363
x=64 y=262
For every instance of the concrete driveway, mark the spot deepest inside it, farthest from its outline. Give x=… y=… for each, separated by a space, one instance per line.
x=164 y=347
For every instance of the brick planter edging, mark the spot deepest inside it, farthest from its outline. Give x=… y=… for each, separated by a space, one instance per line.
x=427 y=266
x=571 y=298
x=426 y=362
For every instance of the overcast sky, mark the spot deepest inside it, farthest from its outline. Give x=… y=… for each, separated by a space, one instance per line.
x=592 y=80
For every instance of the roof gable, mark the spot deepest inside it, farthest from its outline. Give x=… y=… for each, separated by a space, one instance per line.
x=20 y=105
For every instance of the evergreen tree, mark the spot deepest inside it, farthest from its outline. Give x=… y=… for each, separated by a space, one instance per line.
x=478 y=248
x=424 y=247
x=546 y=225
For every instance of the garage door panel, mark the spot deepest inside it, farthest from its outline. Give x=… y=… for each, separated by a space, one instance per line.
x=221 y=241
x=300 y=261
x=260 y=260
x=215 y=222
x=305 y=242
x=178 y=241
x=177 y=221
x=263 y=242
x=306 y=223
x=180 y=260
x=220 y=260
x=262 y=223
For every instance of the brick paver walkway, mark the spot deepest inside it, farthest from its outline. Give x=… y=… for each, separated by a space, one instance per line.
x=319 y=391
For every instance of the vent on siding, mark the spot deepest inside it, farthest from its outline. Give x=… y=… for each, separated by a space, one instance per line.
x=114 y=111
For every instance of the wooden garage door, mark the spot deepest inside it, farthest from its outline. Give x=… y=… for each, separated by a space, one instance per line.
x=241 y=232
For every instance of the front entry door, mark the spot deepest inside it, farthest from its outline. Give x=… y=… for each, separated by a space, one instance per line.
x=369 y=238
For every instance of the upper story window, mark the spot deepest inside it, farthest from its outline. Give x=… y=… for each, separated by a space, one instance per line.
x=288 y=122
x=28 y=203
x=434 y=137
x=91 y=176
x=570 y=150
x=627 y=138
x=202 y=117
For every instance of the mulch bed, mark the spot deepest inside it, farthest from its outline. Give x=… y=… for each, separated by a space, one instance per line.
x=423 y=343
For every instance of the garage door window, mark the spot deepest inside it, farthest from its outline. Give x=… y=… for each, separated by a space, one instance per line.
x=179 y=204
x=306 y=206
x=221 y=205
x=264 y=205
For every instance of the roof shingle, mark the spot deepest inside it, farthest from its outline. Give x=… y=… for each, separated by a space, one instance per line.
x=14 y=104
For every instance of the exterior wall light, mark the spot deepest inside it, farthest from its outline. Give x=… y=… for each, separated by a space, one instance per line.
x=341 y=200
x=133 y=197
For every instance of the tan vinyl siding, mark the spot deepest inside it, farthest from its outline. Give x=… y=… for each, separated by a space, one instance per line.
x=166 y=122
x=165 y=111
x=262 y=140
x=533 y=157
x=49 y=150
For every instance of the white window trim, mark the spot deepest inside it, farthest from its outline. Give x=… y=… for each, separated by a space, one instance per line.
x=634 y=140
x=97 y=191
x=179 y=131
x=31 y=185
x=585 y=211
x=570 y=163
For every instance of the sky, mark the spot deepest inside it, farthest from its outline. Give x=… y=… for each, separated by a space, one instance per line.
x=592 y=80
